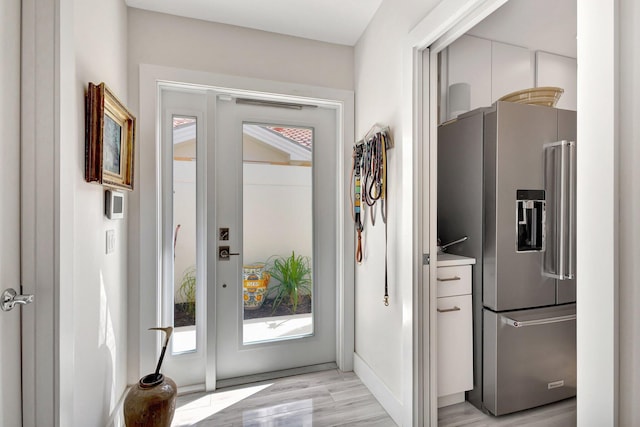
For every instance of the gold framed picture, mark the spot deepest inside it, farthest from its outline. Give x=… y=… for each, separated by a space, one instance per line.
x=109 y=142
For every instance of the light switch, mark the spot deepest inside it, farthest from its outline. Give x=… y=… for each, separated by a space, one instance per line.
x=111 y=241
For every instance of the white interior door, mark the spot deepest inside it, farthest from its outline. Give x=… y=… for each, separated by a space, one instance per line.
x=274 y=196
x=10 y=354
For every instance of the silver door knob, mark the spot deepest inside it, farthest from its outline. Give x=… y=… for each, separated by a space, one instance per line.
x=10 y=298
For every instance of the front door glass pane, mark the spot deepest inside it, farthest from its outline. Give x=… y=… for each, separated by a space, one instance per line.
x=184 y=234
x=277 y=275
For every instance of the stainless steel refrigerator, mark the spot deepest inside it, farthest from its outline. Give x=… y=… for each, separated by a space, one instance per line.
x=506 y=179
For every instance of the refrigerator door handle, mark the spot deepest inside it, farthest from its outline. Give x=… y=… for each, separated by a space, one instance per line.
x=536 y=322
x=559 y=185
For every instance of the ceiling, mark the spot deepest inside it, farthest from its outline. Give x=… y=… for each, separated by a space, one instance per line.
x=548 y=25
x=334 y=21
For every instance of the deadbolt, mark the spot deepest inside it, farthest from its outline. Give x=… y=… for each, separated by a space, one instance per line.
x=224 y=233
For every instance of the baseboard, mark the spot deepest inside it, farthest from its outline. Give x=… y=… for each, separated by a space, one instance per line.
x=116 y=419
x=378 y=388
x=451 y=399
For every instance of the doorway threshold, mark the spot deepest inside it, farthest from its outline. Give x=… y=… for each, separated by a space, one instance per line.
x=267 y=376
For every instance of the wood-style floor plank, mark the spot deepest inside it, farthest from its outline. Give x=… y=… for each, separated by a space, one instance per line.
x=559 y=414
x=329 y=398
x=335 y=398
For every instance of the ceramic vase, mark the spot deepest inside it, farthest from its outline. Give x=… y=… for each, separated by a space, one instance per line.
x=151 y=402
x=255 y=285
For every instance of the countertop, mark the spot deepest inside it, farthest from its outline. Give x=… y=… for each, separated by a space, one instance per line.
x=449 y=260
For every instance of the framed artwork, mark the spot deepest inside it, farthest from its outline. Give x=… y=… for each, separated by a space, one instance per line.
x=109 y=142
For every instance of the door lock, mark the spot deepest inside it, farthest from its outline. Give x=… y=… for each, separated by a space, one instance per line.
x=224 y=253
x=10 y=298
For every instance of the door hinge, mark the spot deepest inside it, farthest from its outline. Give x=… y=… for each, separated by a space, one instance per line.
x=426 y=259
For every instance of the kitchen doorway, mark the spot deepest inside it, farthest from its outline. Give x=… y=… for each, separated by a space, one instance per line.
x=469 y=53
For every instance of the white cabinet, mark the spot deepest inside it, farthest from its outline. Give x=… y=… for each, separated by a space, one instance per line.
x=511 y=69
x=455 y=328
x=469 y=61
x=560 y=71
x=493 y=69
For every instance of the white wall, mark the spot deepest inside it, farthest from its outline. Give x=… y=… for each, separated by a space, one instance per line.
x=160 y=39
x=99 y=280
x=224 y=50
x=629 y=249
x=379 y=99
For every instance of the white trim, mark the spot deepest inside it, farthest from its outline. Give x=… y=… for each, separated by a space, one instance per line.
x=451 y=399
x=431 y=133
x=447 y=21
x=597 y=204
x=379 y=389
x=147 y=195
x=116 y=418
x=196 y=388
x=47 y=327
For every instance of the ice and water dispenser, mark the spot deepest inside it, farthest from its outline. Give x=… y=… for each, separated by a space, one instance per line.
x=531 y=220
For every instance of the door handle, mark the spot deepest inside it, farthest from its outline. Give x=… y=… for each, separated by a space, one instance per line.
x=10 y=298
x=447 y=310
x=448 y=279
x=224 y=253
x=537 y=322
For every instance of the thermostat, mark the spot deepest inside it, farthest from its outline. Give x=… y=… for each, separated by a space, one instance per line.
x=114 y=204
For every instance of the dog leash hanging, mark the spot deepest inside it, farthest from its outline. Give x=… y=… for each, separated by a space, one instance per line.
x=369 y=178
x=356 y=168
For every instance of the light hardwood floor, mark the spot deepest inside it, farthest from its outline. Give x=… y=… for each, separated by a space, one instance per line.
x=328 y=398
x=334 y=398
x=559 y=414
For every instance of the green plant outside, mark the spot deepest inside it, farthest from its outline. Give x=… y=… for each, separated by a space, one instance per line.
x=187 y=289
x=293 y=274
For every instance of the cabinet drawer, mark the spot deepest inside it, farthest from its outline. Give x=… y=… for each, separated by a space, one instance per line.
x=455 y=280
x=455 y=345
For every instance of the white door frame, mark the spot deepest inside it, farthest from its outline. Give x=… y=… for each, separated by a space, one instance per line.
x=47 y=180
x=146 y=203
x=440 y=27
x=10 y=351
x=597 y=358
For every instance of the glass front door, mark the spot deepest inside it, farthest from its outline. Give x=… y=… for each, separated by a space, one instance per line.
x=249 y=235
x=275 y=287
